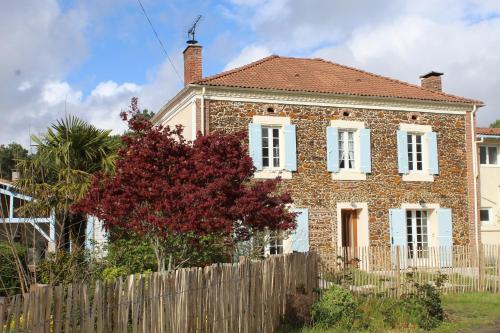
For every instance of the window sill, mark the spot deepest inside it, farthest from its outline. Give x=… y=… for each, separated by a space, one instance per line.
x=489 y=165
x=348 y=175
x=271 y=174
x=485 y=227
x=418 y=177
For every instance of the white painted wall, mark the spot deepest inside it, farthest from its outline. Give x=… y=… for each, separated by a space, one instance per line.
x=489 y=176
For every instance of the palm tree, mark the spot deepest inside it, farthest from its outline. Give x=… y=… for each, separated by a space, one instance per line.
x=60 y=172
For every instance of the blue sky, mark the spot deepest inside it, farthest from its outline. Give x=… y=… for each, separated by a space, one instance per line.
x=88 y=57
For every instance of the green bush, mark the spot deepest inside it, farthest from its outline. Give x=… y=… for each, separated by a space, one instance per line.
x=336 y=306
x=9 y=279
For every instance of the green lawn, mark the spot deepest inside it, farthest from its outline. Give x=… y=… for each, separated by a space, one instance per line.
x=465 y=312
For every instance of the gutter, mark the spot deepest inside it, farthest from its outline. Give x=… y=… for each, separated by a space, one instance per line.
x=202 y=111
x=475 y=174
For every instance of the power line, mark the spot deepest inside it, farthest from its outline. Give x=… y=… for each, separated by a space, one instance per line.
x=159 y=40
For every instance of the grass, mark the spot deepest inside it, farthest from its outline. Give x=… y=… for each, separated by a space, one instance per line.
x=465 y=312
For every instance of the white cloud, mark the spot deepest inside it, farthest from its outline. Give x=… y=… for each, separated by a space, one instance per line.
x=37 y=56
x=396 y=38
x=248 y=54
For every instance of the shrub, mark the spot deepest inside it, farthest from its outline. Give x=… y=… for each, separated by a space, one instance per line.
x=9 y=279
x=336 y=306
x=298 y=307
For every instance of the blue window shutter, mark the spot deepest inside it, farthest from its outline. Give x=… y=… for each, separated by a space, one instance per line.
x=332 y=147
x=300 y=238
x=255 y=144
x=90 y=237
x=397 y=221
x=403 y=152
x=445 y=238
x=289 y=132
x=433 y=153
x=366 y=151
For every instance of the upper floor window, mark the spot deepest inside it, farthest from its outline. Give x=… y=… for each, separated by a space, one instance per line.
x=346 y=150
x=415 y=155
x=417 y=152
x=271 y=147
x=488 y=155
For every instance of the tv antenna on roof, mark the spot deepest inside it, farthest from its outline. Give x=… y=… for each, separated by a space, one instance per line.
x=192 y=31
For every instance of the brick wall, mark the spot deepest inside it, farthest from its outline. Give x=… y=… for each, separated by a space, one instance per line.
x=312 y=186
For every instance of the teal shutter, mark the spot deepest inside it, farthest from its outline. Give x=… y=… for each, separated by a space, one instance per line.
x=255 y=144
x=289 y=132
x=397 y=221
x=445 y=239
x=300 y=238
x=365 y=144
x=433 y=153
x=332 y=147
x=402 y=152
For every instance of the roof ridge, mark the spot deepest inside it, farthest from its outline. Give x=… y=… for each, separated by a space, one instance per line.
x=396 y=80
x=238 y=69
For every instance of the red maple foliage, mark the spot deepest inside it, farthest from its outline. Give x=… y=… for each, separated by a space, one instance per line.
x=165 y=186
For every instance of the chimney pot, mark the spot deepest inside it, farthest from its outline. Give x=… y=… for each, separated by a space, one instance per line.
x=432 y=81
x=192 y=64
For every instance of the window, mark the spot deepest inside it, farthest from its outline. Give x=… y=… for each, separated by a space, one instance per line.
x=346 y=150
x=271 y=147
x=417 y=234
x=488 y=155
x=485 y=215
x=415 y=156
x=275 y=245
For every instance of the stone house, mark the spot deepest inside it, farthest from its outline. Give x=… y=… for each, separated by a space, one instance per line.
x=489 y=172
x=369 y=160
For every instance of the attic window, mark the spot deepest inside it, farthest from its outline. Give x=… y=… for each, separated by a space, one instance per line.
x=346 y=114
x=270 y=109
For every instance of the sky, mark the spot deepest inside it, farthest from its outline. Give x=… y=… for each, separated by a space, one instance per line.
x=89 y=57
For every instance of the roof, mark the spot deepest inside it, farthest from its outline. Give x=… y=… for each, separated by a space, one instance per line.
x=488 y=131
x=322 y=76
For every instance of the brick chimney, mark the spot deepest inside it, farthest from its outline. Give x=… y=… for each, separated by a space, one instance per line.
x=432 y=81
x=192 y=64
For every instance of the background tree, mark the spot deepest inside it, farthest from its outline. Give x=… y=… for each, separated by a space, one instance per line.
x=495 y=124
x=60 y=172
x=184 y=195
x=8 y=158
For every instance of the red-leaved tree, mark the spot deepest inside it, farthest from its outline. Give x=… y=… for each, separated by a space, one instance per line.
x=179 y=194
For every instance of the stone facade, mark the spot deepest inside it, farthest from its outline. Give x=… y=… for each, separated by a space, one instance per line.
x=312 y=186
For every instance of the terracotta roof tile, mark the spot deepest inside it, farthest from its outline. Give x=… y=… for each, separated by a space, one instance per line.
x=321 y=76
x=487 y=131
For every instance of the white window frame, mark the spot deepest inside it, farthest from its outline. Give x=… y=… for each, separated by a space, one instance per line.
x=354 y=173
x=488 y=164
x=419 y=175
x=414 y=161
x=275 y=122
x=490 y=219
x=270 y=147
x=414 y=233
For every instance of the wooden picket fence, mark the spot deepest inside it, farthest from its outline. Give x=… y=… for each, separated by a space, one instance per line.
x=394 y=271
x=247 y=297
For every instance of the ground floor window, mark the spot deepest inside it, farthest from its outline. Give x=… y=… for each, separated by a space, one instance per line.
x=275 y=245
x=417 y=233
x=485 y=215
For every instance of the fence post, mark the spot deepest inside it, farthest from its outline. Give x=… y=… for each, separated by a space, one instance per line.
x=481 y=268
x=398 y=269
